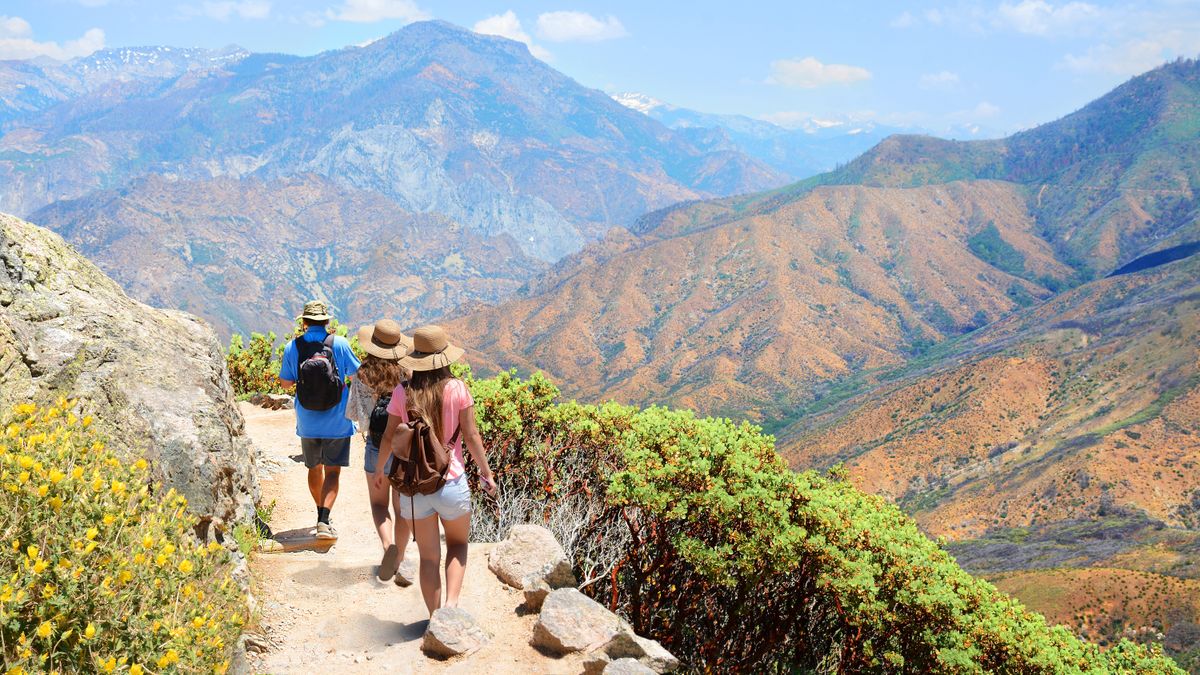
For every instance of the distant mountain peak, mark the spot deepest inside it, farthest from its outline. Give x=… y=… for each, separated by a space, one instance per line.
x=636 y=101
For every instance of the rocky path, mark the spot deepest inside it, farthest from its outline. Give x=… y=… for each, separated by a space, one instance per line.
x=327 y=612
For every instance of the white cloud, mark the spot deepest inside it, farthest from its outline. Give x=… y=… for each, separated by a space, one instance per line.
x=905 y=20
x=16 y=42
x=370 y=11
x=809 y=73
x=507 y=25
x=945 y=81
x=247 y=9
x=14 y=27
x=1135 y=56
x=578 y=27
x=1038 y=17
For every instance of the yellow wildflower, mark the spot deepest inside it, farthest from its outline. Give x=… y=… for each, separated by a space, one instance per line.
x=40 y=566
x=91 y=533
x=32 y=552
x=25 y=461
x=109 y=519
x=49 y=590
x=147 y=542
x=109 y=665
x=56 y=503
x=89 y=548
x=43 y=490
x=125 y=576
x=198 y=622
x=45 y=630
x=23 y=478
x=87 y=421
x=77 y=472
x=160 y=559
x=140 y=465
x=167 y=659
x=186 y=566
x=56 y=476
x=89 y=632
x=135 y=669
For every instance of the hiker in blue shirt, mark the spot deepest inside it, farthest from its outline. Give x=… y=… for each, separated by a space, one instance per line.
x=322 y=426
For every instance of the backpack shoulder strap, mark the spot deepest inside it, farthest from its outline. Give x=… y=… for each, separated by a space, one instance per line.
x=329 y=337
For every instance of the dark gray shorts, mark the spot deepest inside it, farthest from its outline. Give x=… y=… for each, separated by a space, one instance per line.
x=327 y=451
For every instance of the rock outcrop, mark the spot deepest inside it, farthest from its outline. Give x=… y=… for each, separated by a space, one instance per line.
x=154 y=380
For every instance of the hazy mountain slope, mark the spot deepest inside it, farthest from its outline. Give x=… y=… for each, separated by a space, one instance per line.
x=1105 y=182
x=437 y=118
x=1086 y=403
x=745 y=313
x=244 y=254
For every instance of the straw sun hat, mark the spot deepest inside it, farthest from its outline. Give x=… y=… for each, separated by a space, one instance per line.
x=431 y=350
x=384 y=340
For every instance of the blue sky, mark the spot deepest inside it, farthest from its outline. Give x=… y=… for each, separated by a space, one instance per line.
x=942 y=66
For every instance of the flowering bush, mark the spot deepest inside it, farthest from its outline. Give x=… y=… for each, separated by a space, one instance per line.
x=99 y=570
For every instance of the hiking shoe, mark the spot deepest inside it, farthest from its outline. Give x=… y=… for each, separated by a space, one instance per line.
x=326 y=531
x=391 y=560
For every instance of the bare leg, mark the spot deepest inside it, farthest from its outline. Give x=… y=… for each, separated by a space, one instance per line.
x=456 y=556
x=380 y=512
x=403 y=525
x=316 y=477
x=430 y=546
x=329 y=487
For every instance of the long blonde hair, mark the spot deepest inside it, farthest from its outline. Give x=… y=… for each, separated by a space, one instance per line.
x=380 y=375
x=425 y=389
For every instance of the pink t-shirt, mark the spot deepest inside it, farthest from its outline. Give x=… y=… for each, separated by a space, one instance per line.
x=455 y=399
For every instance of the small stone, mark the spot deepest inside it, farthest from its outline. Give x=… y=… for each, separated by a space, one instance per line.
x=535 y=594
x=572 y=622
x=627 y=667
x=531 y=553
x=452 y=631
x=595 y=663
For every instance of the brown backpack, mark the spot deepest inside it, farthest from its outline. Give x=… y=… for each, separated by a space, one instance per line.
x=420 y=468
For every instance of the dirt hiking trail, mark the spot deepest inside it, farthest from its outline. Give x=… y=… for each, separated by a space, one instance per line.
x=327 y=612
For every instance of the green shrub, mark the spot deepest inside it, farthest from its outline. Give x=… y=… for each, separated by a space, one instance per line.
x=737 y=564
x=100 y=571
x=253 y=364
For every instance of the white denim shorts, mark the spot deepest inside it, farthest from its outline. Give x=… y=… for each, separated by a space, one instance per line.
x=452 y=502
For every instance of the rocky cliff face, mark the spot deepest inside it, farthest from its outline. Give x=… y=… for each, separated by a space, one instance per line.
x=154 y=380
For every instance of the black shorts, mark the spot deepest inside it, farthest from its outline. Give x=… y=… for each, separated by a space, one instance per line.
x=327 y=451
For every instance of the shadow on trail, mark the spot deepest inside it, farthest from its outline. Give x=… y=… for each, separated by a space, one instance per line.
x=300 y=539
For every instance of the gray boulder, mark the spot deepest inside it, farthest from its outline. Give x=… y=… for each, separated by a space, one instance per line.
x=154 y=380
x=628 y=645
x=627 y=666
x=529 y=556
x=572 y=622
x=452 y=631
x=596 y=662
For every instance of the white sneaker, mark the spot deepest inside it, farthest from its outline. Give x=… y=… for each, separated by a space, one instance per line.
x=326 y=531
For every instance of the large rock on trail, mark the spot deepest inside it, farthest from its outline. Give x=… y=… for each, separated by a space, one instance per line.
x=154 y=380
x=453 y=631
x=532 y=560
x=572 y=622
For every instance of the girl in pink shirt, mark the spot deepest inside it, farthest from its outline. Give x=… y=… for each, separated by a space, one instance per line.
x=432 y=388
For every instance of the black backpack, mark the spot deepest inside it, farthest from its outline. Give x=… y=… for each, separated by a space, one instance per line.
x=319 y=386
x=379 y=419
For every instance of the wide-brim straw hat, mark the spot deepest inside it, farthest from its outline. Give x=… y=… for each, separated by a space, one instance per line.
x=384 y=340
x=316 y=311
x=431 y=350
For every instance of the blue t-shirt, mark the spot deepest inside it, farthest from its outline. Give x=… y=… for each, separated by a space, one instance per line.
x=330 y=423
